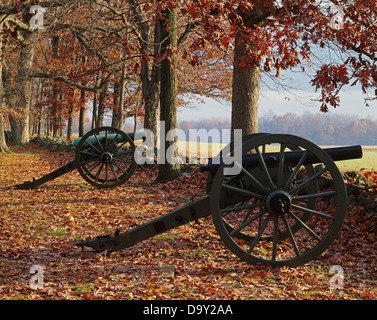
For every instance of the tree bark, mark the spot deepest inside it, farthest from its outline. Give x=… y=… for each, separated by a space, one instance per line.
x=245 y=86
x=168 y=97
x=3 y=144
x=101 y=109
x=94 y=112
x=245 y=93
x=118 y=113
x=82 y=115
x=20 y=123
x=150 y=80
x=115 y=118
x=69 y=124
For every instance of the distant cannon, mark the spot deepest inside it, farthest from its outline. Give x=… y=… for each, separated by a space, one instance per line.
x=104 y=158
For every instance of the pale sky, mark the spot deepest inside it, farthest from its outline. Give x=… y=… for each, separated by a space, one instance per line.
x=351 y=102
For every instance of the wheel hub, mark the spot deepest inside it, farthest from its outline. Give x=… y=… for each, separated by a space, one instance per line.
x=278 y=202
x=106 y=157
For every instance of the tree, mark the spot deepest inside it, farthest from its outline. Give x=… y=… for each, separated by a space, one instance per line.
x=272 y=36
x=245 y=86
x=170 y=169
x=17 y=90
x=3 y=145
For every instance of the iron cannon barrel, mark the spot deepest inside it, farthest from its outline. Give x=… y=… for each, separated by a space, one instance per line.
x=250 y=160
x=135 y=136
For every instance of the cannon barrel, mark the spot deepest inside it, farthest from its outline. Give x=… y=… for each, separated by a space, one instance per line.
x=272 y=158
x=135 y=136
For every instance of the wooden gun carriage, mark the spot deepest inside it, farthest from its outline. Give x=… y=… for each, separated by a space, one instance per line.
x=104 y=157
x=282 y=208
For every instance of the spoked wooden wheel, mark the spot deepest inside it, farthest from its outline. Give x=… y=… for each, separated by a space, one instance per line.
x=105 y=157
x=240 y=181
x=287 y=214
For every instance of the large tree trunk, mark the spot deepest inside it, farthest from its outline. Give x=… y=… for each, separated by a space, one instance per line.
x=115 y=118
x=168 y=98
x=245 y=94
x=118 y=113
x=101 y=109
x=69 y=124
x=20 y=122
x=94 y=112
x=151 y=81
x=3 y=144
x=82 y=115
x=245 y=86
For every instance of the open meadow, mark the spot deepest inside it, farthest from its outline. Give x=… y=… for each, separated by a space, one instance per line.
x=40 y=228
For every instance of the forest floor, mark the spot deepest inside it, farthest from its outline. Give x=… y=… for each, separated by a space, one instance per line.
x=40 y=228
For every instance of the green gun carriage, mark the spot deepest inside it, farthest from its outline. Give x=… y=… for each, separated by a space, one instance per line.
x=284 y=207
x=104 y=157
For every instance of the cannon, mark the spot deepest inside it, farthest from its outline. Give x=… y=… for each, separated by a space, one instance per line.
x=104 y=157
x=282 y=208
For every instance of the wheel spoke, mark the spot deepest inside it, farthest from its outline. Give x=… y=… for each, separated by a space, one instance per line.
x=252 y=246
x=275 y=238
x=294 y=244
x=318 y=238
x=122 y=160
x=98 y=172
x=90 y=169
x=246 y=223
x=252 y=178
x=317 y=213
x=120 y=147
x=248 y=206
x=89 y=161
x=89 y=153
x=243 y=192
x=315 y=195
x=264 y=168
x=113 y=144
x=307 y=181
x=113 y=170
x=120 y=167
x=93 y=147
x=107 y=173
x=295 y=171
x=99 y=143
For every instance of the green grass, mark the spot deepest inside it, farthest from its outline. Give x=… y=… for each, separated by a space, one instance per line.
x=57 y=232
x=368 y=161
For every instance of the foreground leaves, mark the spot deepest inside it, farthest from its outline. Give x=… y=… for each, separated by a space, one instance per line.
x=41 y=227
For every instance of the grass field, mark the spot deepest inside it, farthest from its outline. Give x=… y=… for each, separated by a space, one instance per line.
x=368 y=161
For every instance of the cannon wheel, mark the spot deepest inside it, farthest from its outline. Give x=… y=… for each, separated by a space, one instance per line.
x=281 y=207
x=296 y=226
x=105 y=157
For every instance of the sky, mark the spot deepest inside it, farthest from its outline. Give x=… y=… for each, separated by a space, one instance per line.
x=297 y=102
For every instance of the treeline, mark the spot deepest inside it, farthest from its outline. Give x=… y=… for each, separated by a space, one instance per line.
x=322 y=129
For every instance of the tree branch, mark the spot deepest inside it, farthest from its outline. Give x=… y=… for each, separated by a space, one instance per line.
x=66 y=81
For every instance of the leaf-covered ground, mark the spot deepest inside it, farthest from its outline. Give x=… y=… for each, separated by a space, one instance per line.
x=41 y=227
